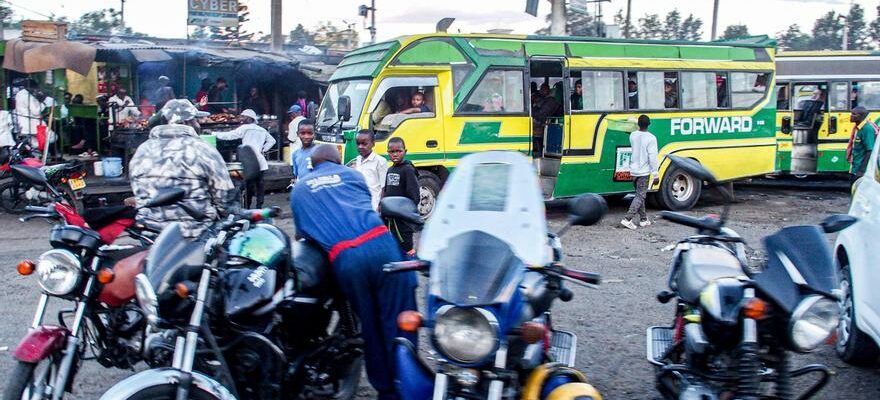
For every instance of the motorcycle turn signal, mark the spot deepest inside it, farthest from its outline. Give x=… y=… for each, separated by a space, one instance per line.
x=409 y=321
x=26 y=267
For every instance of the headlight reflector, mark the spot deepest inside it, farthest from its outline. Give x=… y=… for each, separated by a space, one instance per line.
x=813 y=321
x=58 y=271
x=465 y=335
x=147 y=298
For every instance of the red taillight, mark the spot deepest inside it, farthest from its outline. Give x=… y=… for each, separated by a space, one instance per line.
x=77 y=175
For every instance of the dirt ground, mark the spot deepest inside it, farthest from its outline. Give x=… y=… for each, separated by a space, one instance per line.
x=610 y=322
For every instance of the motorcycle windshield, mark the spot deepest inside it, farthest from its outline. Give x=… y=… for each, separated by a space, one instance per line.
x=169 y=254
x=258 y=244
x=476 y=269
x=798 y=262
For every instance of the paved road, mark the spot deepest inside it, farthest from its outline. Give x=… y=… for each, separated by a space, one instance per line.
x=610 y=322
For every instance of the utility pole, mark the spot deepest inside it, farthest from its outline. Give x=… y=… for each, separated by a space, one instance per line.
x=122 y=14
x=845 y=19
x=557 y=18
x=277 y=40
x=626 y=27
x=363 y=11
x=715 y=21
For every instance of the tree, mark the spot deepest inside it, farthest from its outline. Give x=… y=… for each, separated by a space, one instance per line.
x=576 y=24
x=793 y=39
x=735 y=31
x=334 y=37
x=626 y=27
x=827 y=33
x=692 y=28
x=300 y=36
x=857 y=35
x=874 y=29
x=650 y=27
x=107 y=21
x=672 y=26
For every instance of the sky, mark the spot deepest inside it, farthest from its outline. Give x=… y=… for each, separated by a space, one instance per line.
x=167 y=18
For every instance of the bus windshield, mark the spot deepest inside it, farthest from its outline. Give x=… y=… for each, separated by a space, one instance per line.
x=356 y=90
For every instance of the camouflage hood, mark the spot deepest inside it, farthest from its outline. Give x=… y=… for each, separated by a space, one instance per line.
x=171 y=131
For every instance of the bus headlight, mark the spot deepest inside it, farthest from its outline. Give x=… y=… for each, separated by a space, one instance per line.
x=812 y=322
x=58 y=271
x=465 y=335
x=147 y=298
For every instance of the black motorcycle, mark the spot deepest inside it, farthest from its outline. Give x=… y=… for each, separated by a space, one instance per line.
x=234 y=315
x=735 y=325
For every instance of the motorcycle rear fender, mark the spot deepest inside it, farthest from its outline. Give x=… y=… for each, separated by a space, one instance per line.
x=414 y=379
x=163 y=376
x=40 y=343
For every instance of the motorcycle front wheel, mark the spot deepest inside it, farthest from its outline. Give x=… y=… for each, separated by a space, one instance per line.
x=169 y=392
x=12 y=197
x=29 y=378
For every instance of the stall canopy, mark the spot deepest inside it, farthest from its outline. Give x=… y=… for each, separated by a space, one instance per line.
x=30 y=57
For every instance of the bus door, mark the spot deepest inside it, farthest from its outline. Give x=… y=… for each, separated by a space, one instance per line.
x=548 y=99
x=809 y=102
x=831 y=152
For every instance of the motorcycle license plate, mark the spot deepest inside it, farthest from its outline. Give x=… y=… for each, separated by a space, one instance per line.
x=77 y=184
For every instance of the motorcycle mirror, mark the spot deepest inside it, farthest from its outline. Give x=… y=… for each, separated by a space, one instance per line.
x=400 y=208
x=166 y=197
x=694 y=168
x=586 y=209
x=31 y=175
x=250 y=164
x=837 y=223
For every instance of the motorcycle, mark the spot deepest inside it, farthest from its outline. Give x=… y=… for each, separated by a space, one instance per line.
x=16 y=194
x=21 y=153
x=735 y=325
x=234 y=314
x=83 y=266
x=495 y=272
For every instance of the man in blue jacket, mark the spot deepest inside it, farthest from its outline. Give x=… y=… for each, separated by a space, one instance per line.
x=332 y=207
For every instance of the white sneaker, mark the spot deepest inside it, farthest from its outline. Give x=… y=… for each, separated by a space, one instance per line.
x=627 y=223
x=645 y=223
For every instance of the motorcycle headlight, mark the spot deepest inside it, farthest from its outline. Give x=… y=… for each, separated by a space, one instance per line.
x=58 y=271
x=147 y=298
x=465 y=335
x=812 y=322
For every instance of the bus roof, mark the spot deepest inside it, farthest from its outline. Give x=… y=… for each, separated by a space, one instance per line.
x=515 y=49
x=827 y=65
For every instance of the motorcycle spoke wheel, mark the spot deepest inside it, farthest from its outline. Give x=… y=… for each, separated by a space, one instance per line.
x=29 y=381
x=12 y=197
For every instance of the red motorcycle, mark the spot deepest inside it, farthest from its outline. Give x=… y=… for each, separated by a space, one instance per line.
x=16 y=194
x=85 y=267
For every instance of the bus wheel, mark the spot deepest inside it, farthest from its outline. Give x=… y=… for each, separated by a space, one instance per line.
x=429 y=188
x=678 y=190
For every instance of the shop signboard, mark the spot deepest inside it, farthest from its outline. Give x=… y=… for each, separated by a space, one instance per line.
x=222 y=13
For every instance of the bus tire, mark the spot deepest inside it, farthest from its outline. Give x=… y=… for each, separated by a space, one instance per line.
x=429 y=188
x=678 y=190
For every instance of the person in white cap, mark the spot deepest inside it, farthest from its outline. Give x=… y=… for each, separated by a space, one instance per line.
x=258 y=139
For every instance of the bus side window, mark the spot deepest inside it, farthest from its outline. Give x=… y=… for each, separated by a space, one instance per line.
x=499 y=92
x=838 y=96
x=782 y=97
x=747 y=88
x=869 y=95
x=601 y=91
x=651 y=91
x=699 y=90
x=722 y=90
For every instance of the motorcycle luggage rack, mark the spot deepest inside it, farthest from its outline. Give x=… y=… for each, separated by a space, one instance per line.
x=563 y=347
x=659 y=341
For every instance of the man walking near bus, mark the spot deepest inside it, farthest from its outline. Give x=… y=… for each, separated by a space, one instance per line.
x=642 y=166
x=861 y=142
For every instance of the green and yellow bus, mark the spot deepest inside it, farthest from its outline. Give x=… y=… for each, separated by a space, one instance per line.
x=708 y=101
x=815 y=92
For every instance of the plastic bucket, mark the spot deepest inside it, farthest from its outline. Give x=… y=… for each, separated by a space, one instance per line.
x=98 y=168
x=210 y=139
x=112 y=166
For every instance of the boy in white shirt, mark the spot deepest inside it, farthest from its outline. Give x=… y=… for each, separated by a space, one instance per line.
x=642 y=166
x=371 y=165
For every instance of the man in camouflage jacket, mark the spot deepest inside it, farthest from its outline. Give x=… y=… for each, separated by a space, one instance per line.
x=175 y=156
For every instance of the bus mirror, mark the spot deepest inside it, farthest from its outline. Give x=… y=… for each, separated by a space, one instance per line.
x=832 y=125
x=343 y=107
x=786 y=125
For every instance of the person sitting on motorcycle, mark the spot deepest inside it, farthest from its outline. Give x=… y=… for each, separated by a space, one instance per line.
x=175 y=156
x=358 y=245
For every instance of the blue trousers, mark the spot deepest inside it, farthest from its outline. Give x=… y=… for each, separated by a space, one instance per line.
x=377 y=298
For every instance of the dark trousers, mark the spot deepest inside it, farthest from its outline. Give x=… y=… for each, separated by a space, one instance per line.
x=638 y=204
x=377 y=298
x=255 y=187
x=403 y=234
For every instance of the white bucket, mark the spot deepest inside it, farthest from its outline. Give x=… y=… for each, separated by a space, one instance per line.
x=98 y=167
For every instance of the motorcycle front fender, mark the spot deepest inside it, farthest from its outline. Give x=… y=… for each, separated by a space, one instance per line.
x=414 y=379
x=41 y=343
x=164 y=376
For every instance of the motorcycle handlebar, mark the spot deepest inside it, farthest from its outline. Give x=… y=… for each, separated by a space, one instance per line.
x=586 y=277
x=258 y=215
x=705 y=223
x=39 y=210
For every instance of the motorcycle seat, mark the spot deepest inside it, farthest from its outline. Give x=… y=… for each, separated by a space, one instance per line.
x=702 y=265
x=100 y=217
